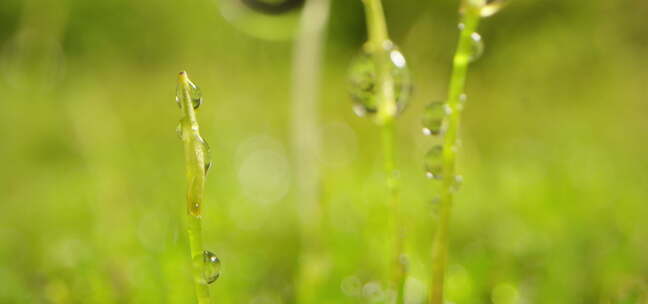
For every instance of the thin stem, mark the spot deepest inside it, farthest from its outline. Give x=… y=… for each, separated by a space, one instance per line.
x=378 y=45
x=306 y=144
x=194 y=148
x=399 y=270
x=462 y=56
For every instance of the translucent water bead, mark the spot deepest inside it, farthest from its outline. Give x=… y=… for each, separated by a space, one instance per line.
x=362 y=80
x=194 y=93
x=434 y=162
x=211 y=266
x=476 y=47
x=433 y=116
x=206 y=153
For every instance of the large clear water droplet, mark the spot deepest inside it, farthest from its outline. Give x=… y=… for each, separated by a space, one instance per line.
x=211 y=266
x=362 y=80
x=433 y=118
x=476 y=47
x=206 y=153
x=492 y=7
x=434 y=162
x=194 y=93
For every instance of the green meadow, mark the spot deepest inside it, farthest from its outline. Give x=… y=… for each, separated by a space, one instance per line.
x=553 y=151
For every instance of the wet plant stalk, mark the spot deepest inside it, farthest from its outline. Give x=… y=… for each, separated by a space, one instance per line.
x=377 y=46
x=470 y=20
x=195 y=170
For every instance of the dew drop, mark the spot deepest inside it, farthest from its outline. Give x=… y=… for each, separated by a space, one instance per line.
x=211 y=266
x=206 y=153
x=194 y=93
x=492 y=7
x=208 y=166
x=179 y=95
x=195 y=209
x=433 y=118
x=476 y=47
x=362 y=80
x=434 y=162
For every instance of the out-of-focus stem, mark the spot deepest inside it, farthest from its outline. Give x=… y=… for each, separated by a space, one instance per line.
x=195 y=170
x=307 y=61
x=462 y=57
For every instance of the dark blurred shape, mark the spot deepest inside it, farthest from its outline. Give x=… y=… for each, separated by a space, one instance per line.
x=274 y=7
x=269 y=20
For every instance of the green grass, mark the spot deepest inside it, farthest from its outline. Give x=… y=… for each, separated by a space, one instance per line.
x=189 y=98
x=92 y=185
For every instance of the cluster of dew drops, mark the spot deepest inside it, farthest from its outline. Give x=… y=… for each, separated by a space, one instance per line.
x=195 y=94
x=363 y=86
x=436 y=114
x=211 y=263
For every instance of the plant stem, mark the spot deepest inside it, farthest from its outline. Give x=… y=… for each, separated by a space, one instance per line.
x=195 y=170
x=377 y=45
x=462 y=58
x=399 y=270
x=306 y=146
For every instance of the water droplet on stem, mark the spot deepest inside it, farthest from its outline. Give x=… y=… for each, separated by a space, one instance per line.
x=434 y=162
x=476 y=47
x=211 y=266
x=363 y=79
x=433 y=118
x=204 y=146
x=195 y=94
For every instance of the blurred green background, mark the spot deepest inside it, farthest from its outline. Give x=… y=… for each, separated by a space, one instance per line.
x=553 y=207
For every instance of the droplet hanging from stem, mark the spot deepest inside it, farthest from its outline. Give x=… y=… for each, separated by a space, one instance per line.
x=363 y=79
